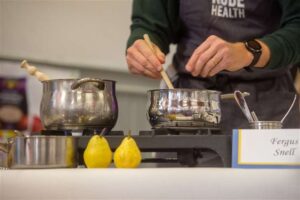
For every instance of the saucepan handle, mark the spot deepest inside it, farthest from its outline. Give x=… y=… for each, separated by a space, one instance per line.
x=4 y=147
x=76 y=84
x=231 y=95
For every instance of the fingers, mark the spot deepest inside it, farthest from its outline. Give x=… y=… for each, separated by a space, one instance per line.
x=152 y=75
x=202 y=64
x=146 y=73
x=141 y=60
x=142 y=47
x=219 y=67
x=212 y=66
x=191 y=65
x=136 y=68
x=215 y=55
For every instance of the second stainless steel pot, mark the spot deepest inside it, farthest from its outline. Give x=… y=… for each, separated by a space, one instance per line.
x=78 y=104
x=184 y=108
x=32 y=152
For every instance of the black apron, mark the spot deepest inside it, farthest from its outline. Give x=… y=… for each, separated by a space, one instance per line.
x=272 y=91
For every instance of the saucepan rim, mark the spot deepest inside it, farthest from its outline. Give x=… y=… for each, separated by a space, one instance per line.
x=75 y=79
x=185 y=89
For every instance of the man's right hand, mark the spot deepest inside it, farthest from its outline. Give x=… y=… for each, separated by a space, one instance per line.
x=141 y=60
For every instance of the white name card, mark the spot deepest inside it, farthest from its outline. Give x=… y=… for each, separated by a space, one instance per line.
x=272 y=148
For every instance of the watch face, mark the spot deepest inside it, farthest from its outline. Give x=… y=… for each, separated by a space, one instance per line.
x=254 y=45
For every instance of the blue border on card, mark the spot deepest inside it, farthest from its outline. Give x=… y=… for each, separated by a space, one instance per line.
x=234 y=164
x=235 y=139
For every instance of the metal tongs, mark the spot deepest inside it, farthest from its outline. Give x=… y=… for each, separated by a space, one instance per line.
x=239 y=98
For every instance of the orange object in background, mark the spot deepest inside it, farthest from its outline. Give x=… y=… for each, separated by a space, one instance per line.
x=36 y=125
x=23 y=123
x=33 y=124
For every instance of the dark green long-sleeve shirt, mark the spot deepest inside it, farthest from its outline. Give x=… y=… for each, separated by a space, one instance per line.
x=160 y=19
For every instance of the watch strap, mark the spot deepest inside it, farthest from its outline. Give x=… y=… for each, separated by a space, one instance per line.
x=256 y=56
x=255 y=52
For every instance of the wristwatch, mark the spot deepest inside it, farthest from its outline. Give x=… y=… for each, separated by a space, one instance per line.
x=255 y=48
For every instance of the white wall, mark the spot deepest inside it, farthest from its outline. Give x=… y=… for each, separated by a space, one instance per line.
x=74 y=38
x=1 y=28
x=76 y=32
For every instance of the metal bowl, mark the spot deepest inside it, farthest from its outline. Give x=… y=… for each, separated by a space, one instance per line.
x=266 y=125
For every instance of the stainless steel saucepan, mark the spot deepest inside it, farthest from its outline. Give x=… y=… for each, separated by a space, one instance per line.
x=32 y=152
x=185 y=107
x=78 y=104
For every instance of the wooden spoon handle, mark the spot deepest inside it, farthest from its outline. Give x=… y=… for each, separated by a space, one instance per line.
x=32 y=70
x=162 y=72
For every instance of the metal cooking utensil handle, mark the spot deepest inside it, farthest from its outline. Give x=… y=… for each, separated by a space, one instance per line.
x=254 y=116
x=77 y=84
x=243 y=105
x=291 y=106
x=3 y=148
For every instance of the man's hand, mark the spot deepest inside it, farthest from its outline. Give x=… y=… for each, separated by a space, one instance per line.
x=215 y=55
x=141 y=60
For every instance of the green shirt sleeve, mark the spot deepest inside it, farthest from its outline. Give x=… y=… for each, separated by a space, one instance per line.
x=158 y=18
x=284 y=43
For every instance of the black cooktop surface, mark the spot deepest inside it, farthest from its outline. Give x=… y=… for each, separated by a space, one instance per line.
x=188 y=143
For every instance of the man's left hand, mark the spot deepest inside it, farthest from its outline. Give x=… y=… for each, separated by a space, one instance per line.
x=215 y=55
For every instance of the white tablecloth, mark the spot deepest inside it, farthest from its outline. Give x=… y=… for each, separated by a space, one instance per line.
x=150 y=183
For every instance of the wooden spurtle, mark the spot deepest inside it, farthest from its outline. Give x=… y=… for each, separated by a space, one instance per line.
x=162 y=72
x=33 y=71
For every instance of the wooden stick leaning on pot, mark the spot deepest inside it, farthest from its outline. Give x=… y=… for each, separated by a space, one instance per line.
x=162 y=72
x=32 y=70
